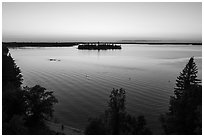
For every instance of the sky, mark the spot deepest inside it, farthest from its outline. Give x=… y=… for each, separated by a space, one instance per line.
x=66 y=21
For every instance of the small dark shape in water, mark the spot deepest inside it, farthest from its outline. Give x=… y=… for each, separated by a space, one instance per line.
x=54 y=59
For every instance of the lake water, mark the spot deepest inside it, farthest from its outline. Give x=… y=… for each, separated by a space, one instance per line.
x=82 y=79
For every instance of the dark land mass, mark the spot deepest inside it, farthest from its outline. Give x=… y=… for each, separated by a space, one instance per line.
x=99 y=46
x=152 y=42
x=69 y=44
x=162 y=43
x=38 y=44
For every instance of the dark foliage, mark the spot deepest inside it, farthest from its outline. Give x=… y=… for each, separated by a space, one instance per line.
x=185 y=113
x=10 y=71
x=96 y=127
x=116 y=121
x=13 y=106
x=12 y=102
x=19 y=105
x=15 y=126
x=39 y=104
x=116 y=111
x=187 y=78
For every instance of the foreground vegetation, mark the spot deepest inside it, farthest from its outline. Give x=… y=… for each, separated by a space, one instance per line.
x=24 y=109
x=185 y=110
x=116 y=121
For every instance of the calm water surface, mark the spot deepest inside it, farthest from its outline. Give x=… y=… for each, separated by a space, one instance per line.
x=82 y=80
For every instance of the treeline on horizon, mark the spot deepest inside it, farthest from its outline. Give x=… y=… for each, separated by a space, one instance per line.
x=39 y=44
x=25 y=110
x=69 y=44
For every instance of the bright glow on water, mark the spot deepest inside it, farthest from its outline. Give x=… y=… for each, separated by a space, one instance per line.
x=82 y=80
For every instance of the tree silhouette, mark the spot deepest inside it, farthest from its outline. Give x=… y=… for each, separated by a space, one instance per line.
x=10 y=71
x=97 y=127
x=184 y=116
x=15 y=126
x=13 y=105
x=22 y=108
x=116 y=109
x=39 y=104
x=187 y=78
x=116 y=121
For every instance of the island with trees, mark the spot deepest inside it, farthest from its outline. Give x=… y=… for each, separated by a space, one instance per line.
x=98 y=46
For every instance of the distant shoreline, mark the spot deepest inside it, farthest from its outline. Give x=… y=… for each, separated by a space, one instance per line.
x=70 y=44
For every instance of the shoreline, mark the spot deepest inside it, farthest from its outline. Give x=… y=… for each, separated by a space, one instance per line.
x=71 y=44
x=67 y=130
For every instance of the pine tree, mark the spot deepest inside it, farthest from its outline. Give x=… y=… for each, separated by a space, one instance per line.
x=184 y=116
x=187 y=78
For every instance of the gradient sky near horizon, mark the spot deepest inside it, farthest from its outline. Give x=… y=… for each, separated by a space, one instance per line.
x=55 y=22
